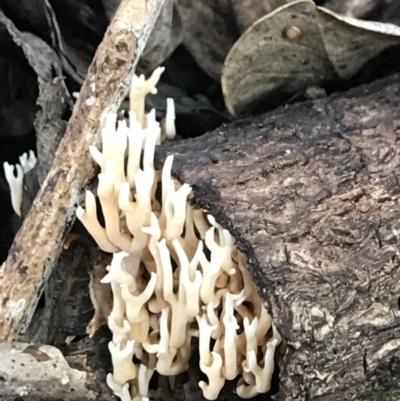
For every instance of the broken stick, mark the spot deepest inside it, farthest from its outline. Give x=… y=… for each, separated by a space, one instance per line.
x=39 y=242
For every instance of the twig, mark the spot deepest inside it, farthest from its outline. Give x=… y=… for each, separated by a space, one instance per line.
x=39 y=242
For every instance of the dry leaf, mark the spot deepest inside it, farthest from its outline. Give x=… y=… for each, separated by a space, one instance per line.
x=164 y=39
x=247 y=12
x=296 y=46
x=354 y=8
x=350 y=43
x=209 y=32
x=211 y=27
x=74 y=47
x=25 y=58
x=281 y=54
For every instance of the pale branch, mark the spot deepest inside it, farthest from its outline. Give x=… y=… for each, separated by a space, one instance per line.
x=39 y=242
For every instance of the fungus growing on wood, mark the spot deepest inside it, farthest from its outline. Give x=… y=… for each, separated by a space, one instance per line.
x=165 y=289
x=27 y=162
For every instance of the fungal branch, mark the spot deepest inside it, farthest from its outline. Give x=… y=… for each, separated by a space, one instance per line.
x=165 y=289
x=27 y=162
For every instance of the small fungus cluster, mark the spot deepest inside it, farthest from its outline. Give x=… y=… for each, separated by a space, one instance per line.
x=175 y=275
x=27 y=162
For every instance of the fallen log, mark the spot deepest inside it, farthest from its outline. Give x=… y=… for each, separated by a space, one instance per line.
x=39 y=242
x=311 y=193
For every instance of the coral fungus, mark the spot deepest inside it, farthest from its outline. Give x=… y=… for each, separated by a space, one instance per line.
x=165 y=289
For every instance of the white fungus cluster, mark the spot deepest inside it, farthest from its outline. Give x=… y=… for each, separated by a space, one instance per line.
x=27 y=162
x=176 y=275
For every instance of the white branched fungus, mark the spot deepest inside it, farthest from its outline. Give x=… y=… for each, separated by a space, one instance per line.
x=141 y=87
x=170 y=119
x=165 y=289
x=27 y=162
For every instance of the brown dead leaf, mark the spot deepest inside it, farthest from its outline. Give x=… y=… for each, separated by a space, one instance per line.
x=354 y=8
x=297 y=46
x=76 y=52
x=166 y=36
x=350 y=43
x=27 y=63
x=247 y=12
x=281 y=54
x=211 y=27
x=209 y=32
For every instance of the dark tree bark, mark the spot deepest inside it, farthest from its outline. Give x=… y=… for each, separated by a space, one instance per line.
x=311 y=193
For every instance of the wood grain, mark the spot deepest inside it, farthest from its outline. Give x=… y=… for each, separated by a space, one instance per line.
x=39 y=242
x=311 y=192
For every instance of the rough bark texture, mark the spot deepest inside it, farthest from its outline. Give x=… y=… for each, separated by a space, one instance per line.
x=50 y=125
x=40 y=373
x=38 y=244
x=311 y=193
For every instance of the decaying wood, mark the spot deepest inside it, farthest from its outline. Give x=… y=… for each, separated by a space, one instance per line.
x=39 y=242
x=40 y=372
x=311 y=193
x=54 y=101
